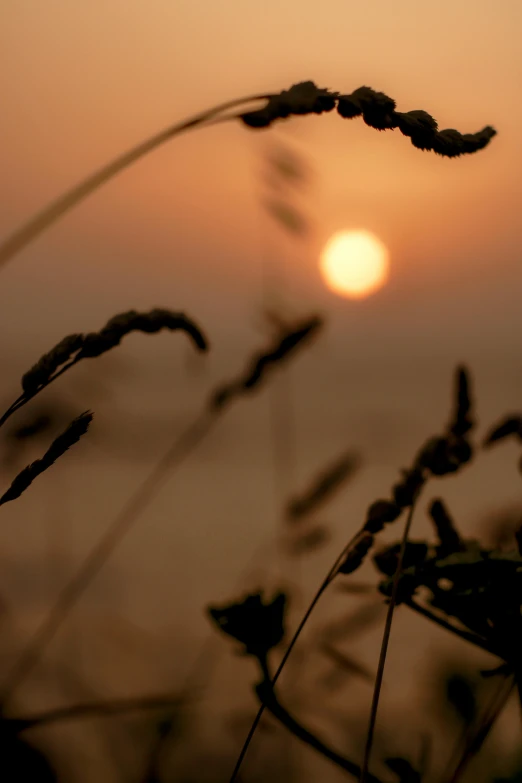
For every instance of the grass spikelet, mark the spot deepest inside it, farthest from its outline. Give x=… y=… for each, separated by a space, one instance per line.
x=511 y=425
x=324 y=486
x=155 y=320
x=377 y=109
x=309 y=541
x=285 y=346
x=38 y=376
x=32 y=428
x=301 y=98
x=449 y=538
x=282 y=350
x=416 y=124
x=355 y=556
x=380 y=513
x=76 y=347
x=76 y=429
x=462 y=420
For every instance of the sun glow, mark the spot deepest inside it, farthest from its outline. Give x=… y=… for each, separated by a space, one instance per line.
x=354 y=263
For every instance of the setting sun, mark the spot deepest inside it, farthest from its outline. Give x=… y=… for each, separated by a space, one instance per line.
x=354 y=263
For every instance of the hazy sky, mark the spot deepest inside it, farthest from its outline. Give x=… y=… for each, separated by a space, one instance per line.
x=82 y=81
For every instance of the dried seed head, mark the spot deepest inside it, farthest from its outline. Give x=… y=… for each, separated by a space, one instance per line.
x=301 y=98
x=422 y=141
x=39 y=375
x=448 y=536
x=380 y=513
x=289 y=217
x=69 y=437
x=511 y=425
x=448 y=143
x=473 y=142
x=97 y=343
x=308 y=541
x=446 y=454
x=262 y=362
x=262 y=118
x=406 y=490
x=323 y=487
x=460 y=450
x=306 y=98
x=443 y=455
x=258 y=626
x=462 y=420
x=123 y=322
x=416 y=124
x=59 y=446
x=348 y=108
x=355 y=557
x=284 y=347
x=387 y=559
x=378 y=111
x=33 y=427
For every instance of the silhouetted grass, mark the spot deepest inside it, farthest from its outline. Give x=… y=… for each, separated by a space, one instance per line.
x=377 y=110
x=471 y=591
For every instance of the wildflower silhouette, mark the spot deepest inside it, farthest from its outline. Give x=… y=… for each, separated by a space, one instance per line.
x=441 y=455
x=258 y=626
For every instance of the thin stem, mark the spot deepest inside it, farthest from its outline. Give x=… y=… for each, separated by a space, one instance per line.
x=476 y=741
x=23 y=399
x=43 y=220
x=478 y=641
x=269 y=699
x=103 y=550
x=384 y=646
x=327 y=581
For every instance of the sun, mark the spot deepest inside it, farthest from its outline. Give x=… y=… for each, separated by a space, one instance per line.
x=354 y=263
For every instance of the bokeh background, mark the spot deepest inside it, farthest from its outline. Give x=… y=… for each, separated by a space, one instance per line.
x=186 y=229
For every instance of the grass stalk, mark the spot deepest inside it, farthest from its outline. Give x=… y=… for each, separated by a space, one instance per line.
x=50 y=214
x=384 y=646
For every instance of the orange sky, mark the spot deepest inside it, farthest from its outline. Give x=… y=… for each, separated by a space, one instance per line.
x=82 y=81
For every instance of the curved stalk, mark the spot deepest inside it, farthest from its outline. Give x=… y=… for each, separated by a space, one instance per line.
x=325 y=584
x=44 y=219
x=267 y=696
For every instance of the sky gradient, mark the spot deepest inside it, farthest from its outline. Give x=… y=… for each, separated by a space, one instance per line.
x=80 y=83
